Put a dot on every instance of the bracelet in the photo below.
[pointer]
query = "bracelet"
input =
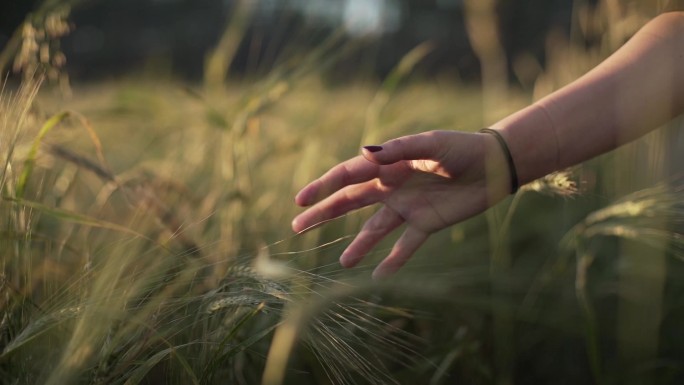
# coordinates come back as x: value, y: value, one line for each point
x: 515, y: 184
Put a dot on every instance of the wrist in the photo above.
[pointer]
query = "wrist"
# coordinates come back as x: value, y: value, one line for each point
x: 531, y: 140
x: 510, y: 163
x: 497, y: 173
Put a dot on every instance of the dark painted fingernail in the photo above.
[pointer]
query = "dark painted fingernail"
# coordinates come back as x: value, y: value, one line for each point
x: 373, y: 148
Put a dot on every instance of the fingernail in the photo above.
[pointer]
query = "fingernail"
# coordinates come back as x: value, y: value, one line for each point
x: 373, y: 148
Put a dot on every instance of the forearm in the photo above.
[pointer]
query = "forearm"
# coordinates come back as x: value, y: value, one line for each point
x: 635, y: 90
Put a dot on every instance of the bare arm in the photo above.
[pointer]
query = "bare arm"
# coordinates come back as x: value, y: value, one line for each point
x: 638, y: 88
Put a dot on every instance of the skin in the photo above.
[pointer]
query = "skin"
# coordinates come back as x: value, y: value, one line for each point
x: 435, y: 179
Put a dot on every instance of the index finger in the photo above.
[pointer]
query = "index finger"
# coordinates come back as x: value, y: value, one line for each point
x: 353, y: 171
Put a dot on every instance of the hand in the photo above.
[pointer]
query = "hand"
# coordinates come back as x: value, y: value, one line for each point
x: 427, y: 181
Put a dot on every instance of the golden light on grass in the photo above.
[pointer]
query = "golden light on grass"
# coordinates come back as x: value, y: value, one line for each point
x: 145, y: 231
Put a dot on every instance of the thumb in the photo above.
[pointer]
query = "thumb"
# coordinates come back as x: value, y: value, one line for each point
x: 424, y: 146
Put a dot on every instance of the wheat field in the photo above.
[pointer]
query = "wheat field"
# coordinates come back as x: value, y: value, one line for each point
x: 146, y: 236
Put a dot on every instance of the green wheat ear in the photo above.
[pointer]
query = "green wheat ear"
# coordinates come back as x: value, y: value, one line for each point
x: 651, y: 216
x: 39, y: 327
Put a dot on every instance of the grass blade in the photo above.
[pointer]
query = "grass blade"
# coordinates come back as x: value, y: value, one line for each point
x: 77, y: 218
x: 33, y: 152
x: 140, y: 373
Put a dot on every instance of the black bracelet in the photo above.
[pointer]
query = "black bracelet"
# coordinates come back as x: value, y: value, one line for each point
x: 509, y: 158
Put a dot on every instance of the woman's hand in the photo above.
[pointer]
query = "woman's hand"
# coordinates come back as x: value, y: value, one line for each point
x: 427, y: 181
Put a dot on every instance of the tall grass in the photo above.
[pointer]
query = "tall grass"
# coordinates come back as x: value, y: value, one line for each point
x: 104, y: 283
x: 145, y: 237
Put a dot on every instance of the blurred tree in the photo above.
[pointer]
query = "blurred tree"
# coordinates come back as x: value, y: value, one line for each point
x: 11, y: 16
x: 116, y: 36
x: 526, y: 23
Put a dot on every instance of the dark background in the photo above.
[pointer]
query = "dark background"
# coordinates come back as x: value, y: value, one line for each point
x: 115, y: 37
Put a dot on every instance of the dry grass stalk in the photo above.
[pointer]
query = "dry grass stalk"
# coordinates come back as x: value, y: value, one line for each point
x: 559, y: 183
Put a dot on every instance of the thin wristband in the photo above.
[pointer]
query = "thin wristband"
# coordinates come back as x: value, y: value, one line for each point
x: 515, y: 184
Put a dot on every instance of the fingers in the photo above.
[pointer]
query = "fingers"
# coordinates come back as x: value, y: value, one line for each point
x: 427, y: 145
x: 424, y: 146
x: 375, y: 229
x: 341, y: 202
x: 355, y: 170
x: 403, y: 249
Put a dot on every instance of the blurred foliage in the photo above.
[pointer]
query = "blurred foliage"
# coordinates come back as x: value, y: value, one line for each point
x: 117, y: 36
x: 145, y: 222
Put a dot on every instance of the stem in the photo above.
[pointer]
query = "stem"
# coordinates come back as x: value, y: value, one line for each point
x: 503, y: 316
x: 584, y: 261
